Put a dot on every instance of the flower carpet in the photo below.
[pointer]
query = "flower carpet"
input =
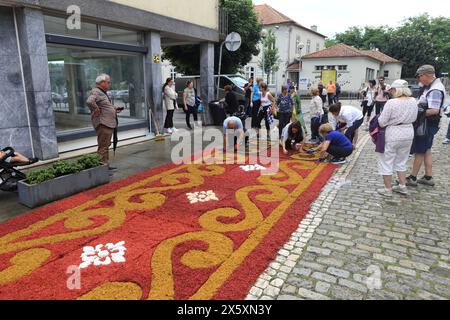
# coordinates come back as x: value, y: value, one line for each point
x: 176, y: 232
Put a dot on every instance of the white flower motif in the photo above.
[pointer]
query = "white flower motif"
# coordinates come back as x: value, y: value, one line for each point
x: 203, y: 196
x: 103, y: 255
x: 255, y: 167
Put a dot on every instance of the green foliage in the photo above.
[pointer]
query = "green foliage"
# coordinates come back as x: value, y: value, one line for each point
x: 37, y: 177
x: 90, y: 161
x: 330, y: 42
x: 241, y: 19
x: 271, y: 56
x: 63, y: 168
x: 419, y: 40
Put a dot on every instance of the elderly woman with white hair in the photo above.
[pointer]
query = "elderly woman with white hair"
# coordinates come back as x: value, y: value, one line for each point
x: 397, y: 117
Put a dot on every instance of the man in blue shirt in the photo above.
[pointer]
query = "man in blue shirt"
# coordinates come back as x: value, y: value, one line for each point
x: 336, y: 144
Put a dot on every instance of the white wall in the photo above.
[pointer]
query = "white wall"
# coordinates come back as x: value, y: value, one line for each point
x: 349, y: 80
x: 395, y: 71
x: 200, y: 12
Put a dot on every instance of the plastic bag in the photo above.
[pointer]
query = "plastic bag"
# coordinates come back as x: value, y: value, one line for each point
x: 200, y: 108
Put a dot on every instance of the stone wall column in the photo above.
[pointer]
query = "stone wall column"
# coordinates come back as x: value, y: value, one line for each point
x: 154, y: 80
x: 207, y: 78
x: 33, y: 50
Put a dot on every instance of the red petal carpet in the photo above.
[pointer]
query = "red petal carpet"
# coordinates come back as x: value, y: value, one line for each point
x: 176, y: 232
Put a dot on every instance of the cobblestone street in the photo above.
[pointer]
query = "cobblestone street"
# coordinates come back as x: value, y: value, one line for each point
x: 356, y: 245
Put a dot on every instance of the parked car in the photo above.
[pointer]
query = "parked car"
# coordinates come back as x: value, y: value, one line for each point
x: 123, y: 95
x: 57, y: 98
x: 236, y: 81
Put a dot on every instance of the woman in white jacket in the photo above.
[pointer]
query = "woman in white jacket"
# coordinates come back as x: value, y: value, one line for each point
x: 316, y: 110
x: 170, y: 101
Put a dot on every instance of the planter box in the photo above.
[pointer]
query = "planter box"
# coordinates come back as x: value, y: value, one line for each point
x: 36, y: 195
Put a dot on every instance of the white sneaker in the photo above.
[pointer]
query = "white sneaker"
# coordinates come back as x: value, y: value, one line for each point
x: 401, y: 190
x: 169, y: 131
x: 385, y: 192
x: 446, y: 141
x: 174, y: 130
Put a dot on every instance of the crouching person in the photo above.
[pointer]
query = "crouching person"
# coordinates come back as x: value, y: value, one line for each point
x: 234, y: 132
x: 336, y: 146
x: 292, y: 137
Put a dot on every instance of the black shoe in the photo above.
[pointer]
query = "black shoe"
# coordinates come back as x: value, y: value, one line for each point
x: 112, y: 168
x: 33, y: 161
x: 338, y: 161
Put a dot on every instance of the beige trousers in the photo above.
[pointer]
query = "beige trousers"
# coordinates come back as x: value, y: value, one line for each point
x: 104, y: 136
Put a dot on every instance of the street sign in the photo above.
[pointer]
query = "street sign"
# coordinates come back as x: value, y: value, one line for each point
x: 157, y: 58
x: 233, y: 42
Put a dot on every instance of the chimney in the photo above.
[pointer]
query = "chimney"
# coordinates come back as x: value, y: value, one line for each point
x: 314, y: 28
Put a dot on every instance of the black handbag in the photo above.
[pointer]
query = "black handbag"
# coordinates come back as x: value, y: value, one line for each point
x: 421, y: 125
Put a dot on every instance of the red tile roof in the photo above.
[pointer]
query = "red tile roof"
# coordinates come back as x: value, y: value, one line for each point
x: 269, y: 16
x: 343, y: 50
x: 380, y: 56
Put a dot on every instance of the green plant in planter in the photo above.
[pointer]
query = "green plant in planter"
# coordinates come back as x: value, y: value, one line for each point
x: 90, y: 161
x: 64, y: 168
x: 37, y: 177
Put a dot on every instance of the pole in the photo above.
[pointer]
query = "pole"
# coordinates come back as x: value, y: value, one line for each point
x: 220, y: 69
x: 263, y: 65
x: 299, y: 70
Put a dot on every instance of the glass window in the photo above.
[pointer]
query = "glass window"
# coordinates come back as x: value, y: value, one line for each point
x: 308, y: 46
x: 58, y: 25
x: 318, y: 47
x: 249, y: 72
x: 343, y: 68
x: 386, y: 73
x: 121, y: 35
x: 73, y: 71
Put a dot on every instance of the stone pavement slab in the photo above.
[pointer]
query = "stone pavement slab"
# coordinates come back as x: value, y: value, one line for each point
x: 356, y: 245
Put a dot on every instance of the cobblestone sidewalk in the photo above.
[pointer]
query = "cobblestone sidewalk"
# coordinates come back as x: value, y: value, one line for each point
x: 356, y: 245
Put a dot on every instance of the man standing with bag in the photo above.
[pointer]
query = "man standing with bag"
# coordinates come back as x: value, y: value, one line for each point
x: 431, y: 102
x: 104, y: 116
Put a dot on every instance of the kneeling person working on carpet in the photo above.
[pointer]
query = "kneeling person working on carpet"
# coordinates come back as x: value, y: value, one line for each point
x: 233, y: 127
x: 347, y: 119
x: 336, y: 145
x: 292, y: 137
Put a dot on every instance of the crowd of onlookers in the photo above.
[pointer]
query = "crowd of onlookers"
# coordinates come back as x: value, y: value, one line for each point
x: 402, y: 126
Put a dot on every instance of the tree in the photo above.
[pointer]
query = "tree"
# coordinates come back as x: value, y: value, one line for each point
x: 418, y: 40
x: 413, y: 49
x: 271, y: 56
x: 437, y: 31
x: 330, y: 42
x: 241, y: 19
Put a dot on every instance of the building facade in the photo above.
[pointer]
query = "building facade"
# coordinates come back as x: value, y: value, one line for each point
x: 52, y: 51
x: 288, y: 35
x: 353, y: 67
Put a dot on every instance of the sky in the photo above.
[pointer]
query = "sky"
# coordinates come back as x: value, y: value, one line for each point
x: 334, y: 16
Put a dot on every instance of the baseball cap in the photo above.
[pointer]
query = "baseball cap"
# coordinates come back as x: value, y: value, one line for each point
x: 399, y: 84
x: 426, y: 69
